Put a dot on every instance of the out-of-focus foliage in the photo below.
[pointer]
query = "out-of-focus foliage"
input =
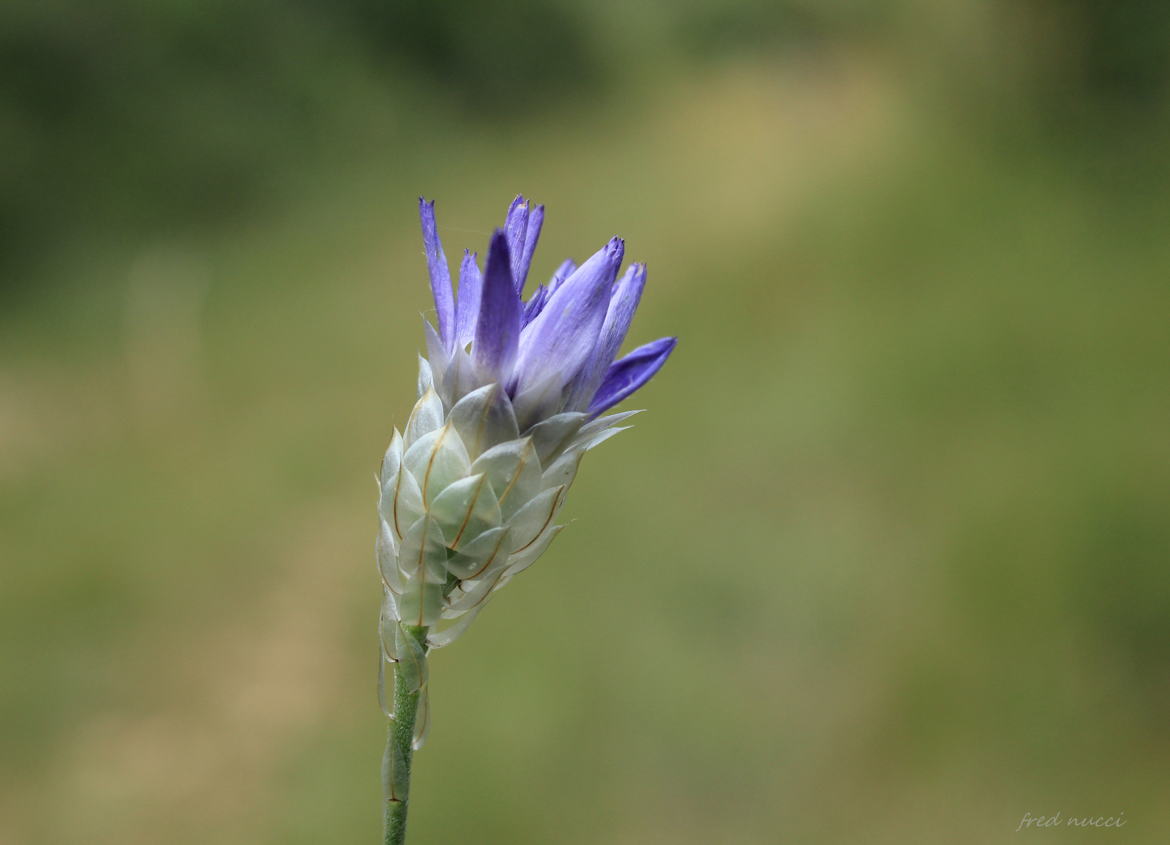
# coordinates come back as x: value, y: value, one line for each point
x: 169, y: 114
x: 1115, y: 53
x: 496, y: 59
x: 737, y: 26
x: 166, y: 115
x: 885, y: 561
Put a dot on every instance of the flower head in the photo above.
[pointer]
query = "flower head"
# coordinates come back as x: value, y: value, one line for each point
x: 553, y: 353
x: 511, y: 396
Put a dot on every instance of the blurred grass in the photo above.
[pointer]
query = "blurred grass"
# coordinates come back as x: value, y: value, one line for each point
x: 885, y: 561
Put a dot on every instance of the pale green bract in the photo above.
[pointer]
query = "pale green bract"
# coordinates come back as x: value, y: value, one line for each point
x: 466, y: 502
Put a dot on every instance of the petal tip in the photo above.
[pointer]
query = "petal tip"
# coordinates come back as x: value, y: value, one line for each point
x: 616, y: 249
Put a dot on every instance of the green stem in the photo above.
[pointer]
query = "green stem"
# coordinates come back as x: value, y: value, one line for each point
x: 400, y: 745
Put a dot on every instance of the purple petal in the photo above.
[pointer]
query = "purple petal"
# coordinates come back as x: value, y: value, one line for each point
x: 623, y: 302
x: 497, y: 331
x: 541, y: 295
x: 562, y: 337
x: 523, y: 260
x: 516, y: 230
x: 567, y: 268
x: 467, y: 305
x: 628, y: 374
x: 535, y: 304
x: 439, y: 272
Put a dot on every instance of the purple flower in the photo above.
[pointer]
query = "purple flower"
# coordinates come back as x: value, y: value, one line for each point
x: 555, y: 352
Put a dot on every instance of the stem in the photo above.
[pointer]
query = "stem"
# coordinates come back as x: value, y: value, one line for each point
x: 400, y: 745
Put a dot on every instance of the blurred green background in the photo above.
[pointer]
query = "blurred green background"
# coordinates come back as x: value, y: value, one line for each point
x: 885, y: 561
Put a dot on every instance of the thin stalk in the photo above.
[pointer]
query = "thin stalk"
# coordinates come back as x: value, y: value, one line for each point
x: 400, y: 747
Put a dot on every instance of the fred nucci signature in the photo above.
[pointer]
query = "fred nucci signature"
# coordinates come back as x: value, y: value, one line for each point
x: 1059, y: 820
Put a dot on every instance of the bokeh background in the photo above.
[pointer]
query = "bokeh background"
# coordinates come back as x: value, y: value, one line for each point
x: 885, y: 561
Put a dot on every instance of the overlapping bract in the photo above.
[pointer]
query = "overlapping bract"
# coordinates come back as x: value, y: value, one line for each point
x: 510, y: 399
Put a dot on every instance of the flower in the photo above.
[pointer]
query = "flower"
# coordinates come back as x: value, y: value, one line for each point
x: 511, y: 395
x: 553, y: 353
